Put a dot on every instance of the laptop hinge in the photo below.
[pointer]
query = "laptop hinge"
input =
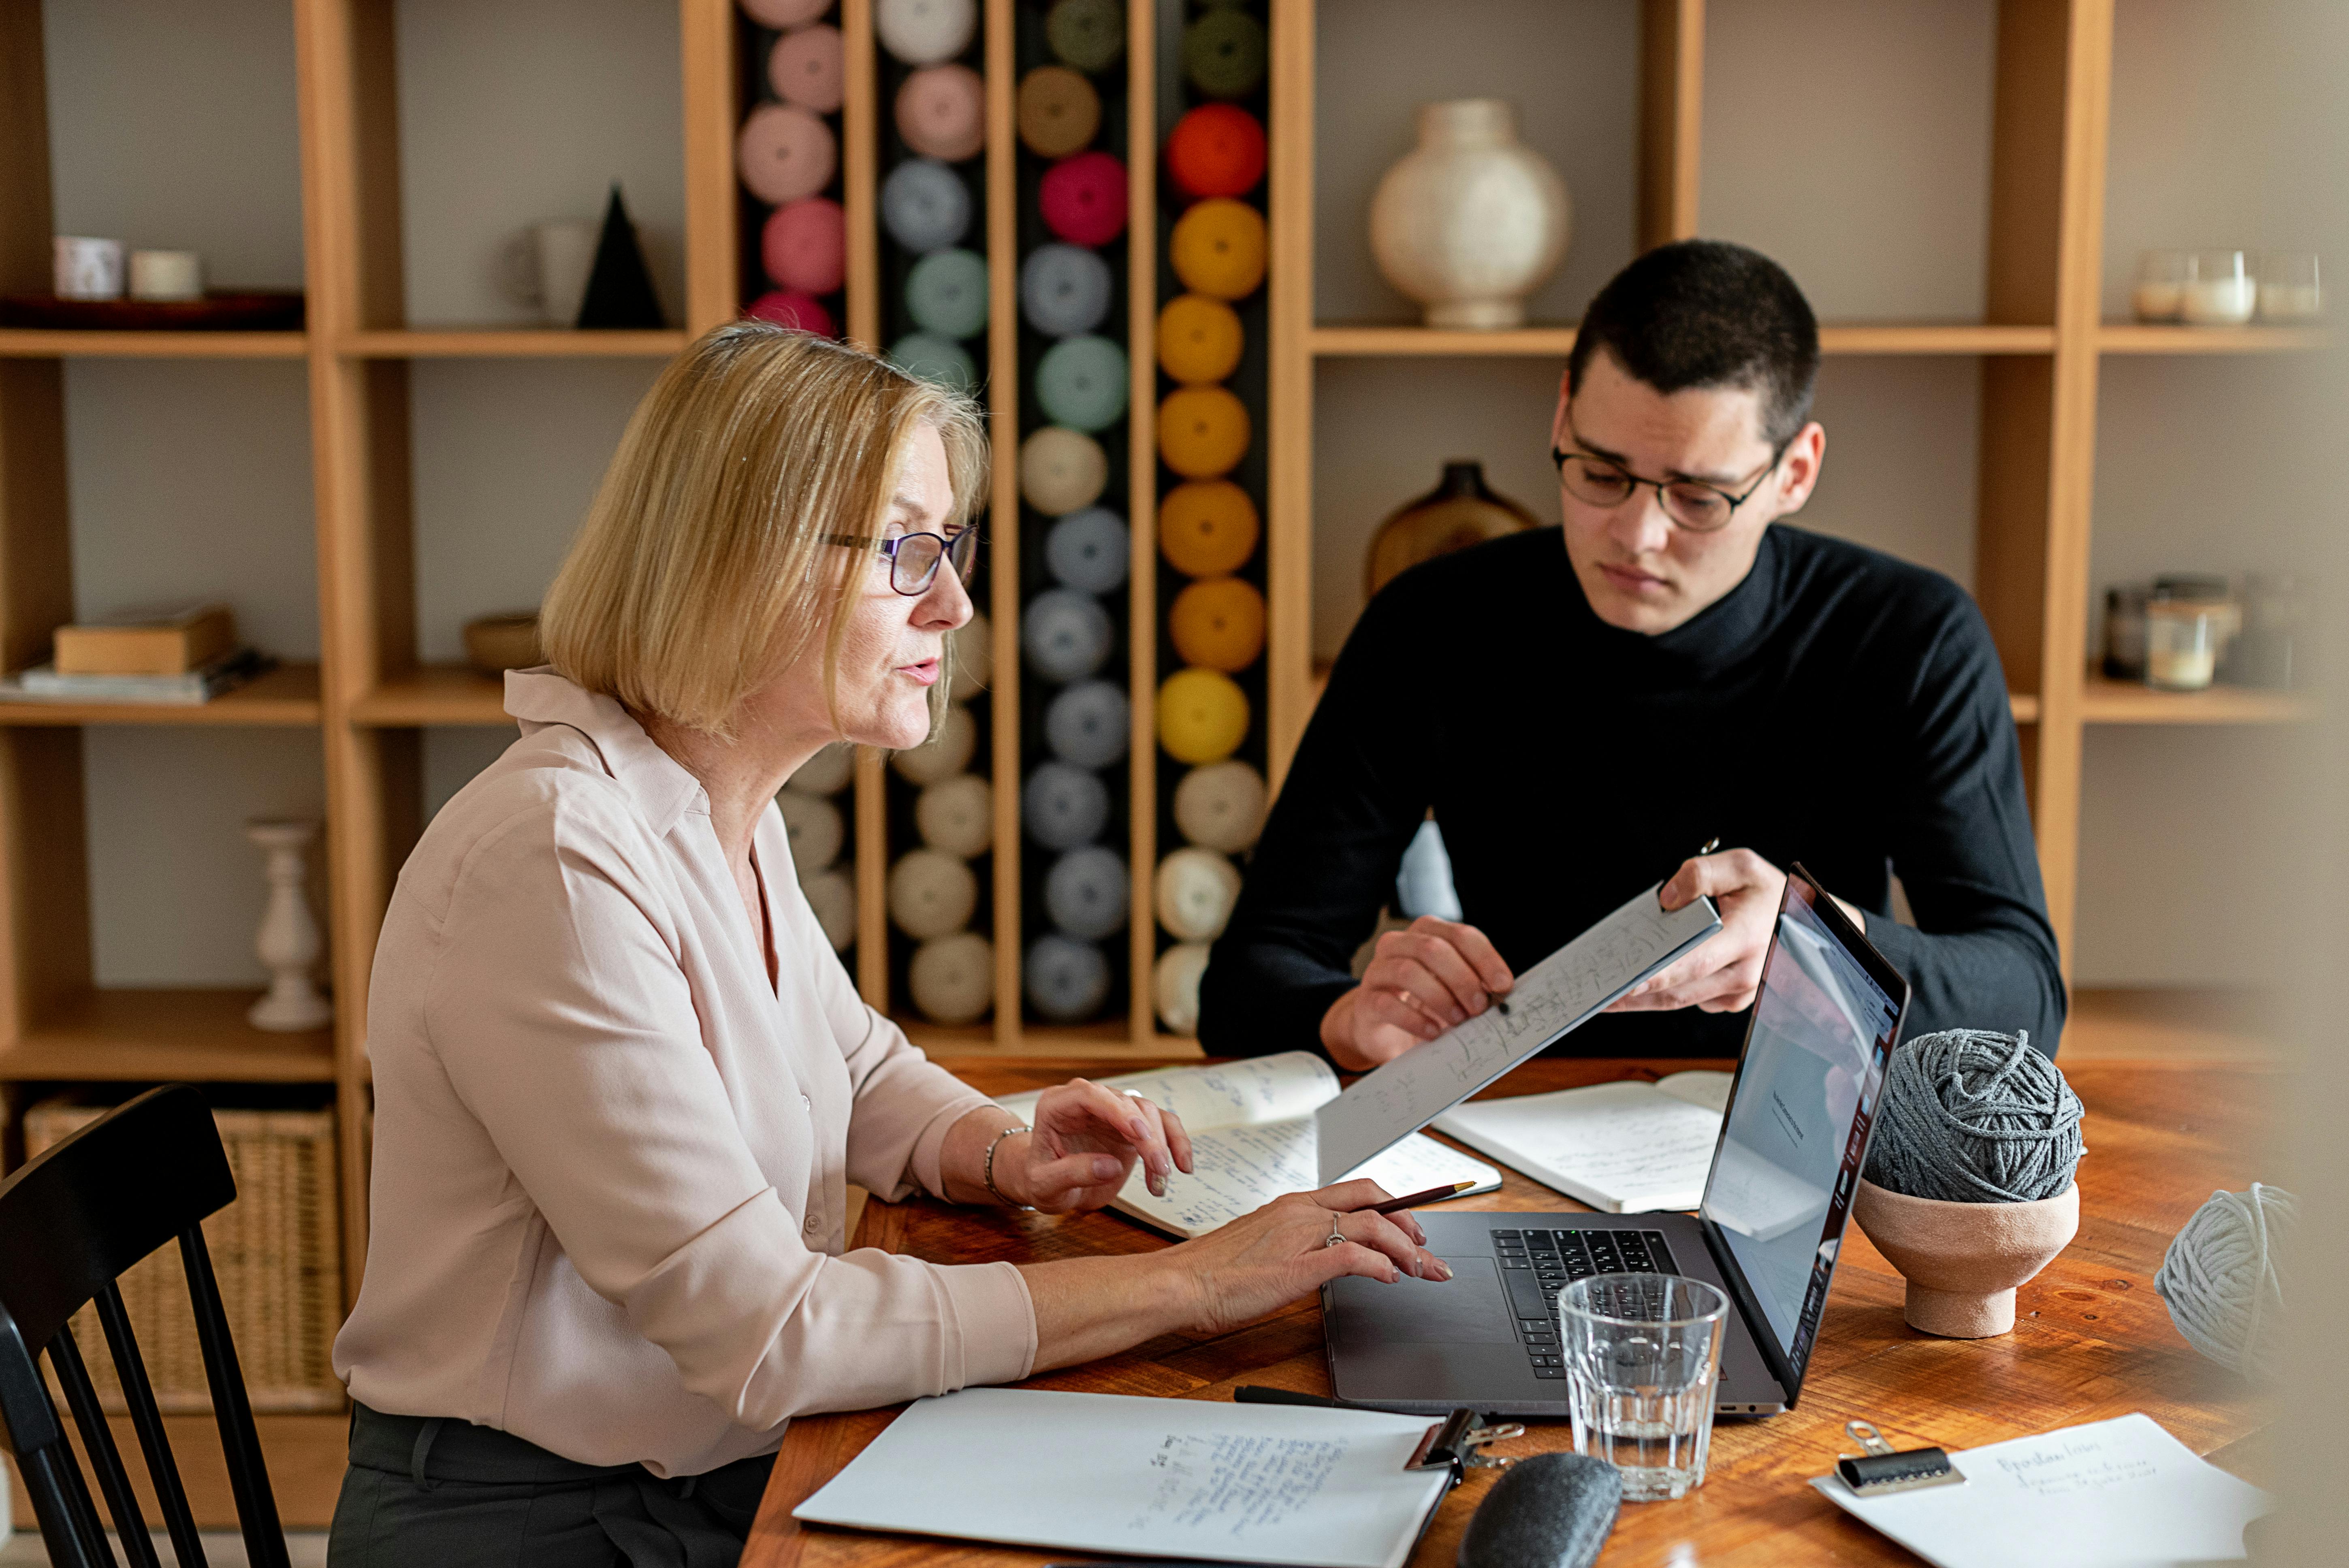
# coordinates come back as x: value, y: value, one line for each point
x: 1757, y: 1322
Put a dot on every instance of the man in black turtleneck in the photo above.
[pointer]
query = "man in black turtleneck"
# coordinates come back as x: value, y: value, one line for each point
x: 1580, y: 713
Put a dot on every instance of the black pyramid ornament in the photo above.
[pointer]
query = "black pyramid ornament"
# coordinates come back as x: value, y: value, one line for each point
x: 619, y: 291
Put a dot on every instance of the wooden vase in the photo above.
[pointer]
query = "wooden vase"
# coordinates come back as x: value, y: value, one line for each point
x: 1963, y: 1261
x: 1471, y: 221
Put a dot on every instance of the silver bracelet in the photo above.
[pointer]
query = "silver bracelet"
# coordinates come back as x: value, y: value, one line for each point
x: 986, y: 1167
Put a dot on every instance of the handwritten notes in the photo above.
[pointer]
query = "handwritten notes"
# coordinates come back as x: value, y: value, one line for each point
x: 1623, y: 1148
x: 1558, y: 995
x: 2103, y: 1495
x: 1252, y: 1139
x: 1109, y: 1473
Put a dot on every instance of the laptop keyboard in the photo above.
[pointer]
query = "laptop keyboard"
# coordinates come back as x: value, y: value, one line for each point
x: 1537, y: 1265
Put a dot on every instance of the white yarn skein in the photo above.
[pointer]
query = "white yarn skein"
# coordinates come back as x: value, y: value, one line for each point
x: 2219, y: 1278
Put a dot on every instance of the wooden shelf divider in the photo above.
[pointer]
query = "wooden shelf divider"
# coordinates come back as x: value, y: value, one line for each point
x: 162, y: 1035
x: 2105, y: 701
x: 37, y: 343
x: 288, y: 695
x: 2145, y: 337
x: 510, y: 342
x: 1398, y: 340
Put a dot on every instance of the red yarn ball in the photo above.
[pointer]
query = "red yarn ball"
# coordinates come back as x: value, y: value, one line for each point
x: 1217, y: 149
x: 1083, y: 199
x: 805, y: 245
x: 788, y: 307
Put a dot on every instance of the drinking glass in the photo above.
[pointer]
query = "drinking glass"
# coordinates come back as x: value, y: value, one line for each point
x: 2289, y: 290
x: 2220, y: 289
x: 2161, y: 287
x: 1642, y: 1362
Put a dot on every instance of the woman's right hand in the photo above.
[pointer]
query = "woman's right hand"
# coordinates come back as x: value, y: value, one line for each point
x: 1262, y: 1261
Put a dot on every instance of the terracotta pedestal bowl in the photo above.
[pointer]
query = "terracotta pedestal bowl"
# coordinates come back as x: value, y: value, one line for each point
x: 1963, y: 1261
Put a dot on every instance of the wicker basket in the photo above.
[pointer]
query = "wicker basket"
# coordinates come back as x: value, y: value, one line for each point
x: 276, y: 1252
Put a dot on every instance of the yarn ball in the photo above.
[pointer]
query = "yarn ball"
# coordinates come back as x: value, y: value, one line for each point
x: 1217, y: 149
x: 1082, y: 382
x: 2223, y: 1278
x: 1067, y: 635
x: 930, y: 357
x: 1217, y: 624
x: 925, y: 32
x: 809, y: 68
x: 1064, y: 289
x: 784, y: 152
x: 1092, y: 549
x: 1061, y: 470
x: 1199, y: 339
x: 1224, y: 52
x: 787, y: 307
x: 1207, y: 528
x: 1086, y: 895
x: 1203, y: 431
x: 956, y: 815
x: 942, y: 112
x: 931, y: 893
x: 1175, y: 981
x: 783, y: 14
x: 1972, y: 1116
x: 1218, y: 249
x: 1086, y: 34
x: 1203, y: 716
x: 804, y: 246
x: 1059, y: 111
x: 944, y: 754
x: 952, y: 978
x: 1090, y: 724
x: 1067, y: 980
x: 925, y: 206
x: 1082, y: 198
x: 945, y: 293
x: 1064, y: 806
x: 1221, y: 805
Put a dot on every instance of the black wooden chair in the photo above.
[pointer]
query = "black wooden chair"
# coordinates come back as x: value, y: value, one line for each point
x: 71, y: 1223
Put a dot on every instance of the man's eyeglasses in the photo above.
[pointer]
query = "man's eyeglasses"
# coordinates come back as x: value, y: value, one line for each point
x: 914, y: 558
x: 1694, y: 505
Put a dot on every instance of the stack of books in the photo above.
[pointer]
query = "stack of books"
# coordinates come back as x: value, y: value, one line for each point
x: 177, y: 654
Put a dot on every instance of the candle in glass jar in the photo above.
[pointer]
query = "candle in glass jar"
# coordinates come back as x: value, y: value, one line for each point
x: 2182, y: 645
x: 2219, y: 290
x: 2161, y: 285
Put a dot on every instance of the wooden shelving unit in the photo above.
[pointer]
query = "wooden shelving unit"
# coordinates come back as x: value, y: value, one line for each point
x: 288, y: 695
x: 1331, y: 340
x: 26, y: 343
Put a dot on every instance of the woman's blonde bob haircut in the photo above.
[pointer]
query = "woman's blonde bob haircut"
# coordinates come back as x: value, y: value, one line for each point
x: 701, y: 571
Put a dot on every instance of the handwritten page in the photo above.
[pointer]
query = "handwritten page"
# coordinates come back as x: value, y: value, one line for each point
x: 1228, y: 1094
x: 1621, y: 1148
x: 1164, y: 1478
x: 1558, y: 995
x: 2104, y: 1495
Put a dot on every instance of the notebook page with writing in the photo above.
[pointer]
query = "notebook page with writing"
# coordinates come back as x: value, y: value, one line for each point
x: 1622, y: 1148
x: 1558, y: 995
x: 1161, y: 1477
x: 1228, y: 1094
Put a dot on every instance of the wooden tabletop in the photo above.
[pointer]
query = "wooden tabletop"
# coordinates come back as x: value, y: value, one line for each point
x: 2091, y: 1340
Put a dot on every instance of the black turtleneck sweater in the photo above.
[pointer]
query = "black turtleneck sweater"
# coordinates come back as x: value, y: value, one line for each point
x: 1838, y: 707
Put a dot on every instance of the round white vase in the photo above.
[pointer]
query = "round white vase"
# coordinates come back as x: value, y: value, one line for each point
x: 1471, y: 221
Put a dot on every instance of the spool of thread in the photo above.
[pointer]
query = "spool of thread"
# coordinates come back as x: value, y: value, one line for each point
x: 931, y: 895
x: 945, y: 293
x: 1197, y: 888
x: 809, y: 66
x: 1061, y: 470
x: 804, y: 246
x: 790, y: 307
x: 1067, y: 635
x: 1972, y: 1116
x: 2223, y: 1278
x: 1088, y: 725
x: 1067, y: 980
x: 814, y: 827
x: 1174, y: 985
x: 1064, y: 806
x: 1221, y: 806
x: 784, y: 152
x: 1081, y: 382
x: 973, y: 664
x: 1207, y: 528
x: 832, y: 896
x: 1217, y: 249
x: 956, y: 816
x: 944, y: 754
x: 934, y: 358
x: 1064, y: 289
x: 1082, y: 198
x: 828, y: 772
x: 942, y: 112
x: 1058, y: 112
x: 925, y: 206
x: 1217, y: 149
x: 1090, y: 551
x: 925, y: 32
x: 952, y: 978
x: 1086, y: 892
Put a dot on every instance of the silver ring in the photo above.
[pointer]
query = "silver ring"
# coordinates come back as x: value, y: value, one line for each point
x: 1336, y: 1239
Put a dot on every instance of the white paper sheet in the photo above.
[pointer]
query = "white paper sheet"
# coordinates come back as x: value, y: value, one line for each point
x: 1161, y: 1477
x: 1555, y: 995
x: 2121, y: 1493
x: 1624, y: 1148
x: 1228, y: 1094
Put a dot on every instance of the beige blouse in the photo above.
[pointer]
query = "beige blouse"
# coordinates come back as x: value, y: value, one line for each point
x: 610, y: 1158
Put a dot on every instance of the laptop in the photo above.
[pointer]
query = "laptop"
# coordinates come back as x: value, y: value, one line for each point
x: 1793, y: 1140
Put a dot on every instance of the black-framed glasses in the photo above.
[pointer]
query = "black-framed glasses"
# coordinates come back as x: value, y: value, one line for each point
x: 1694, y: 505
x: 914, y: 558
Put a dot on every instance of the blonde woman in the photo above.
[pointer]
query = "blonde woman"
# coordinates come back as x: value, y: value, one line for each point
x: 621, y: 1079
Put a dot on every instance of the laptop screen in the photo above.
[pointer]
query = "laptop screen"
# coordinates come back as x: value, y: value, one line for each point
x: 1790, y: 1148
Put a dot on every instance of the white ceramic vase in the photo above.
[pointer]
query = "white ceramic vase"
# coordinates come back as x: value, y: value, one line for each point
x: 289, y: 940
x: 1470, y: 222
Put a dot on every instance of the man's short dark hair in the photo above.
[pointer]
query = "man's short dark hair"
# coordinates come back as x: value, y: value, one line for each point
x: 1705, y: 313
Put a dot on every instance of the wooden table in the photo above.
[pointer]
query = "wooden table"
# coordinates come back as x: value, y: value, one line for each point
x: 2091, y: 1340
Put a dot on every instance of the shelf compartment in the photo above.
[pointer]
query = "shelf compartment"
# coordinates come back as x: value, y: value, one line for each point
x: 165, y: 1036
x: 37, y: 342
x: 288, y: 695
x: 2103, y: 701
x: 1337, y: 339
x: 512, y: 343
x: 433, y: 695
x: 2141, y: 337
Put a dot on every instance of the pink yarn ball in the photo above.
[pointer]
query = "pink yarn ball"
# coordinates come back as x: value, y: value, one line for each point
x: 783, y: 14
x: 1083, y: 199
x: 805, y: 245
x: 788, y: 307
x: 784, y: 152
x: 810, y: 68
x: 942, y: 112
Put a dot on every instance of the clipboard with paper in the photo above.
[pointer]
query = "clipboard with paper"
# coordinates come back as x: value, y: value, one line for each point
x: 1550, y: 1000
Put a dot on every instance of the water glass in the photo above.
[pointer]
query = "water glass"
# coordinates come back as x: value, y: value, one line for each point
x: 1642, y: 1365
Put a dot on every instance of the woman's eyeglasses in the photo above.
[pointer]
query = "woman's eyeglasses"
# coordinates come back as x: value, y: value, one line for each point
x: 1698, y: 507
x: 914, y: 558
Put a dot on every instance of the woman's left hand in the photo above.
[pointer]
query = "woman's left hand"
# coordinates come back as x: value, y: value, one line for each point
x: 1087, y: 1141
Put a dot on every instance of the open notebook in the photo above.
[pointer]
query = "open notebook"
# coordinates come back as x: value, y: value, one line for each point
x: 1251, y: 1126
x: 1622, y: 1148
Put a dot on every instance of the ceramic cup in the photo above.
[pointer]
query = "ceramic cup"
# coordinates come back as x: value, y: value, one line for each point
x: 1963, y: 1261
x: 85, y: 268
x: 166, y: 274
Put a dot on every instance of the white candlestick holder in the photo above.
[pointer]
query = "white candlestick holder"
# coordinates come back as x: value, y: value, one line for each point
x: 289, y: 940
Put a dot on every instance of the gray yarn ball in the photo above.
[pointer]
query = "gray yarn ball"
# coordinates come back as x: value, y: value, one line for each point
x: 1086, y: 892
x: 1067, y: 635
x: 1064, y: 806
x: 1090, y: 549
x: 925, y: 205
x: 2223, y: 1278
x: 1067, y: 980
x: 1972, y: 1116
x: 1089, y: 724
x: 1064, y: 289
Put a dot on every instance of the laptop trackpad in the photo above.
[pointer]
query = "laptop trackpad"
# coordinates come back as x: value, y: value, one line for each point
x: 1469, y: 1308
